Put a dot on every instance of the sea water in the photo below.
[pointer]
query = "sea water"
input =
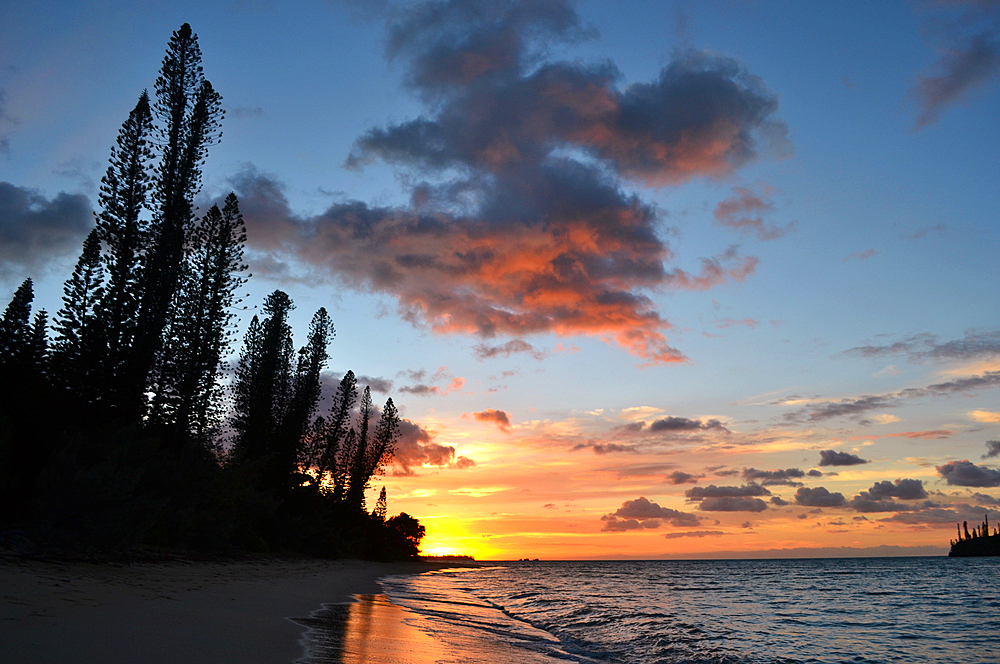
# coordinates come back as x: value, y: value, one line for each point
x: 875, y: 610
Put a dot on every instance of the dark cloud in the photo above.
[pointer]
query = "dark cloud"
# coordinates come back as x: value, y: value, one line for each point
x: 880, y: 497
x: 742, y: 212
x: 969, y: 63
x: 976, y: 344
x: 966, y: 473
x: 683, y: 424
x: 416, y: 447
x: 485, y: 351
x: 779, y: 501
x: 834, y: 458
x: 680, y: 477
x: 614, y: 525
x: 712, y: 491
x: 983, y: 499
x: 728, y: 498
x: 788, y: 477
x: 498, y: 417
x: 381, y: 385
x: 695, y: 533
x: 521, y: 220
x: 463, y: 462
x: 818, y: 497
x: 732, y: 504
x: 851, y: 407
x: 423, y: 390
x: 902, y: 489
x: 33, y: 229
x: 815, y: 473
x: 642, y: 509
x: 992, y: 449
x: 861, y: 405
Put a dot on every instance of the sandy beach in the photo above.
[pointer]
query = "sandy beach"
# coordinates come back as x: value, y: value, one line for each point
x: 170, y: 612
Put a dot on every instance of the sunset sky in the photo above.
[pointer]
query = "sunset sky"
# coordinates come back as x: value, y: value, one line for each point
x: 645, y: 278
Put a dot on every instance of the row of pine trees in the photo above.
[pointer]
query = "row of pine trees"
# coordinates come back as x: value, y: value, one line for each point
x: 122, y: 421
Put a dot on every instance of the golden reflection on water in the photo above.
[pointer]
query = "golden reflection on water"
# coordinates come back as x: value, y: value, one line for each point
x: 379, y: 631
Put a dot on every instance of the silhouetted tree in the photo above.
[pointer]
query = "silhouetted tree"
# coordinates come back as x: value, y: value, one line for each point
x: 381, y: 506
x: 125, y: 236
x: 78, y: 348
x: 306, y: 387
x: 409, y: 532
x: 199, y: 334
x: 15, y: 334
x: 189, y: 111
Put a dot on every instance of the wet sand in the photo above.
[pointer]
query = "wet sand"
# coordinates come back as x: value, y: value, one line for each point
x: 194, y: 612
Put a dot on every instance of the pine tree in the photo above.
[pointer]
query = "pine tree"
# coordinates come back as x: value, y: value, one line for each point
x: 187, y: 392
x: 381, y: 506
x: 327, y: 443
x: 359, y: 480
x: 124, y: 235
x: 15, y: 332
x: 306, y: 384
x: 78, y: 355
x: 189, y: 111
x: 263, y: 392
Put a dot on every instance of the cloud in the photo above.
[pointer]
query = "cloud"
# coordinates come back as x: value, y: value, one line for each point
x: 850, y: 407
x: 966, y: 473
x: 902, y: 489
x: 416, y: 447
x: 642, y: 509
x: 683, y: 424
x: 976, y: 344
x: 497, y: 417
x: 834, y: 458
x: 423, y: 390
x: 985, y: 416
x: 992, y: 449
x: 380, y: 385
x: 712, y: 491
x: 861, y: 255
x: 695, y: 533
x: 729, y: 498
x: 969, y: 62
x: 854, y: 407
x: 485, y: 351
x: 732, y: 504
x: 603, y: 448
x: 613, y: 525
x: 33, y: 229
x: 772, y: 477
x: 680, y: 477
x: 818, y: 497
x: 522, y: 219
x: 738, y: 213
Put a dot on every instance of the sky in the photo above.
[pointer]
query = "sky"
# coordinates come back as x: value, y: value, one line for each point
x: 646, y: 279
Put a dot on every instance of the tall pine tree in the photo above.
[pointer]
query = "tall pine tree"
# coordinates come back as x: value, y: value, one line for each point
x: 78, y: 349
x: 189, y: 111
x: 125, y: 236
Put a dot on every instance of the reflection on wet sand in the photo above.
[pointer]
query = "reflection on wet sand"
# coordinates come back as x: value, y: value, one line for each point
x: 374, y: 630
x: 370, y: 630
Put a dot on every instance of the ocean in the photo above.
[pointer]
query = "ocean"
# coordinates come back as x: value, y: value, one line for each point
x: 857, y: 610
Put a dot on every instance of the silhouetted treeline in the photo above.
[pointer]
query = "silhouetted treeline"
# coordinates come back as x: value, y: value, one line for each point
x: 978, y: 542
x: 121, y: 423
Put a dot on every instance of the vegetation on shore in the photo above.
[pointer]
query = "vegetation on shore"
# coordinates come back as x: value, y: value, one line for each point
x: 978, y: 542
x: 128, y: 428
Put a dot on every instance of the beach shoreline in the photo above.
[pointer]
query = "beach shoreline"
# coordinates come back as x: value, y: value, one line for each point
x: 177, y: 611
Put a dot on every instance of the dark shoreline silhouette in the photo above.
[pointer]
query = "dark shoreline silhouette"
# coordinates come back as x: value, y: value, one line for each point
x: 977, y: 543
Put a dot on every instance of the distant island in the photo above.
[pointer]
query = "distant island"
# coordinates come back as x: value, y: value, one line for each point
x: 979, y: 542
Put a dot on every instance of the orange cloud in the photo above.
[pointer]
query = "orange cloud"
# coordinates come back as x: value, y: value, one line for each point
x: 497, y: 417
